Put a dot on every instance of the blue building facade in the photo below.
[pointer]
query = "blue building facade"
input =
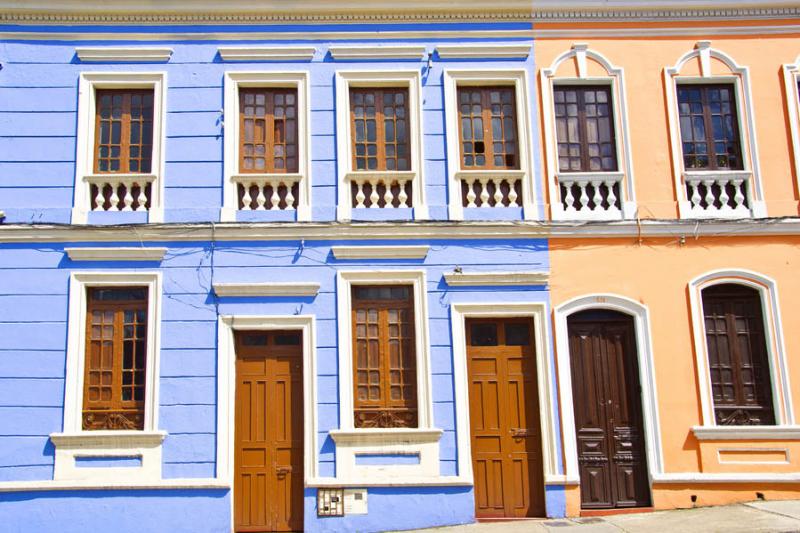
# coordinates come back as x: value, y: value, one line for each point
x: 221, y: 251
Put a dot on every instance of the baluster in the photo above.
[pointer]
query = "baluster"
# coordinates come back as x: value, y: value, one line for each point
x: 114, y: 197
x: 99, y: 200
x: 127, y: 200
x: 695, y: 198
x: 261, y: 198
x: 723, y: 194
x: 611, y: 198
x: 512, y: 193
x: 402, y: 196
x: 584, y: 198
x: 569, y: 198
x: 498, y: 193
x: 275, y: 199
x: 484, y: 192
x: 597, y: 198
x: 374, y: 196
x: 388, y: 197
x: 141, y: 198
x: 246, y: 198
x: 709, y: 194
x: 471, y: 193
x: 360, y: 194
x: 738, y: 193
x: 289, y: 196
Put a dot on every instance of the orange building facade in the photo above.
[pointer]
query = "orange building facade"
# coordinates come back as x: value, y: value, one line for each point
x: 669, y: 162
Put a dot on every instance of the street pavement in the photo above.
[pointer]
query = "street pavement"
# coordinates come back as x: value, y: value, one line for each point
x: 762, y: 516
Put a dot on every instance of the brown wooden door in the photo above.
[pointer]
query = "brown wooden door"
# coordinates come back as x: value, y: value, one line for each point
x: 268, y: 475
x: 504, y: 418
x: 608, y: 410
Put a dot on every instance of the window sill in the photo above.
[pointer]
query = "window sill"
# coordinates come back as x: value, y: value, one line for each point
x: 704, y: 433
x: 389, y: 436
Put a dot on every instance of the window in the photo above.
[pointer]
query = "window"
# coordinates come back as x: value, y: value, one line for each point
x: 380, y: 128
x: 737, y: 355
x: 709, y: 127
x: 116, y: 354
x: 488, y: 131
x: 384, y: 366
x: 585, y: 129
x: 124, y: 131
x: 268, y: 130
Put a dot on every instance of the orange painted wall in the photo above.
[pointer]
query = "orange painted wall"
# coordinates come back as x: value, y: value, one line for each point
x: 644, y: 60
x: 656, y: 273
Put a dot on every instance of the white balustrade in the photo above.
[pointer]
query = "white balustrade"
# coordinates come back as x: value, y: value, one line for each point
x: 267, y: 192
x: 718, y: 194
x: 489, y: 190
x: 374, y: 191
x: 120, y: 192
x: 591, y: 196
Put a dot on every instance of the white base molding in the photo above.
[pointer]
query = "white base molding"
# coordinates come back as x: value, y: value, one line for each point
x: 703, y: 433
x: 700, y: 477
x: 483, y: 279
x: 380, y: 252
x: 403, y: 51
x: 266, y: 53
x: 85, y: 484
x: 116, y: 254
x: 266, y: 289
x: 123, y: 54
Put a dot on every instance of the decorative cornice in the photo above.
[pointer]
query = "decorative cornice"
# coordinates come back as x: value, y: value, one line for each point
x: 404, y: 51
x: 272, y: 289
x: 123, y: 54
x: 116, y: 254
x: 726, y: 433
x: 499, y: 51
x: 380, y: 252
x: 487, y: 279
x: 266, y: 53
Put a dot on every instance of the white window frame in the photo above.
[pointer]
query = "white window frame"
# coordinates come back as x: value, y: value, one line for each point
x: 88, y: 84
x: 75, y: 441
x: 537, y: 313
x: 227, y: 325
x: 647, y: 379
x: 776, y: 354
x: 284, y: 80
x: 791, y: 77
x: 410, y: 79
x: 514, y: 77
x: 351, y: 441
x: 615, y: 79
x: 739, y: 76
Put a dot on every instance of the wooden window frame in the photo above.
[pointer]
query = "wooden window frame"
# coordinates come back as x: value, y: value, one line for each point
x: 380, y: 142
x: 269, y: 142
x: 88, y: 84
x: 410, y: 79
x: 234, y: 82
x: 791, y: 79
x: 488, y: 134
x: 125, y: 131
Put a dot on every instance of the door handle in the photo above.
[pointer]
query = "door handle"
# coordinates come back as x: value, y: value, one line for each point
x: 283, y: 470
x: 519, y: 433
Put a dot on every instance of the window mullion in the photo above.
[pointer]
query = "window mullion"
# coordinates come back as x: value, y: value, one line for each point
x: 269, y: 131
x: 582, y: 134
x: 380, y: 131
x: 708, y: 121
x: 488, y: 141
x: 125, y: 135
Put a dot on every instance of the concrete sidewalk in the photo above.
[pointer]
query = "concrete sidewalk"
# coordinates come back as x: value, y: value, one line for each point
x: 772, y: 516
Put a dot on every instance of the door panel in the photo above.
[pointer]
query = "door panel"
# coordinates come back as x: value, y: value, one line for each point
x: 504, y: 419
x: 268, y: 463
x: 608, y: 410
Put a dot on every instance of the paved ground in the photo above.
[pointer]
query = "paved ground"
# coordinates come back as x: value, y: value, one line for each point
x: 773, y: 517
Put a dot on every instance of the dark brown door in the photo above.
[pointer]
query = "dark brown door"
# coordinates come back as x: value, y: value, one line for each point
x: 608, y: 410
x: 504, y: 418
x: 268, y: 476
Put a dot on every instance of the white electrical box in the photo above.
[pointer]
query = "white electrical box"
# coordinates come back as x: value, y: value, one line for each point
x: 355, y: 501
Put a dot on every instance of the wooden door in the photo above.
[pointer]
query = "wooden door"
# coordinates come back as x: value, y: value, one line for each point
x: 268, y: 475
x: 504, y: 418
x: 608, y: 410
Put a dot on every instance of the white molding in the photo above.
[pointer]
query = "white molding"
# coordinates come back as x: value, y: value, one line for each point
x: 703, y: 433
x: 266, y: 289
x: 378, y: 51
x: 785, y: 451
x: 391, y: 481
x: 120, y: 483
x: 74, y: 438
x: 703, y: 31
x: 479, y: 50
x: 517, y: 78
x: 615, y: 78
x: 757, y: 478
x: 644, y: 350
x: 84, y: 162
x: 791, y: 78
x: 293, y: 79
x: 740, y: 78
x: 144, y: 445
x: 380, y: 252
x: 411, y: 79
x: 226, y: 386
x: 492, y: 279
x: 117, y: 253
x: 123, y: 54
x: 537, y: 311
x: 773, y: 333
x: 266, y: 53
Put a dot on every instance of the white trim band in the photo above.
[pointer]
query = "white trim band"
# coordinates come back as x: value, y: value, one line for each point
x: 480, y: 50
x: 489, y: 279
x: 123, y: 54
x: 703, y: 433
x: 380, y: 252
x: 116, y: 254
x: 403, y: 51
x: 266, y: 53
x: 266, y: 289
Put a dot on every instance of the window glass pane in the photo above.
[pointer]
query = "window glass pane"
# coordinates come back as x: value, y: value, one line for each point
x: 584, y: 129
x: 709, y: 128
x: 379, y: 128
x: 268, y: 130
x: 118, y: 111
x: 487, y: 116
x: 483, y: 334
x: 518, y: 334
